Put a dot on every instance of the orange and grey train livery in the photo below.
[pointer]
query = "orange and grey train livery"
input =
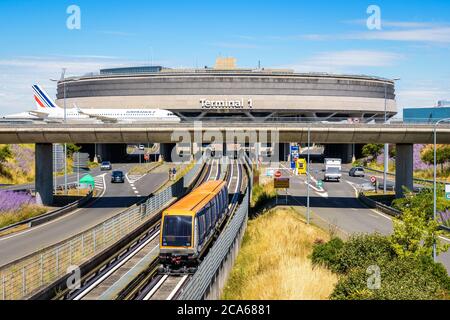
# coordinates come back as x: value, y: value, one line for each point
x: 189, y: 225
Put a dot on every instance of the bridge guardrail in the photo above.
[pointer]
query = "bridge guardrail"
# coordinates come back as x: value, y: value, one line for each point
x: 25, y: 276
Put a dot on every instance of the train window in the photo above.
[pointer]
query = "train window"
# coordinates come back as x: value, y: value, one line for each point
x: 208, y: 217
x: 212, y: 210
x: 177, y: 231
x: 201, y: 226
x: 224, y: 197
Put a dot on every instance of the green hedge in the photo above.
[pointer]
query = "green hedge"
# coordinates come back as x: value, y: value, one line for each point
x: 400, y: 278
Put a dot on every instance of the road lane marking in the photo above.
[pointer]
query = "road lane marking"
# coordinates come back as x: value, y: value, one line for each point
x: 373, y: 210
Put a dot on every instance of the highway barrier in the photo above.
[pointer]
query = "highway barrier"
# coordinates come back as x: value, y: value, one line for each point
x: 378, y: 205
x: 415, y: 179
x: 24, y: 277
x: 386, y: 209
x: 35, y: 221
x: 50, y: 215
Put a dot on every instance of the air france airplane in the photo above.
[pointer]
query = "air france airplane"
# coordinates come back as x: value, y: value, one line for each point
x: 47, y: 109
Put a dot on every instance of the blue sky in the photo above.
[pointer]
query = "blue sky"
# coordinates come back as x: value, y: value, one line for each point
x: 312, y: 36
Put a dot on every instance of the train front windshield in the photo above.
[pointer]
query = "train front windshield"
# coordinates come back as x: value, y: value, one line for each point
x: 177, y: 231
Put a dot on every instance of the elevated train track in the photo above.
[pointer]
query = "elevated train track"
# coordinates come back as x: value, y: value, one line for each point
x: 167, y: 286
x: 122, y: 276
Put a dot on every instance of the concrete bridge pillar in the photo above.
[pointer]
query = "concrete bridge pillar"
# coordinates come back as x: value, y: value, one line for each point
x: 403, y: 168
x: 44, y: 173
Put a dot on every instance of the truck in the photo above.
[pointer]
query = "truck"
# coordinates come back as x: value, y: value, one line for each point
x: 333, y: 168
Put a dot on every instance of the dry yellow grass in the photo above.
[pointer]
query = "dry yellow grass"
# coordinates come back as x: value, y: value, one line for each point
x: 274, y: 262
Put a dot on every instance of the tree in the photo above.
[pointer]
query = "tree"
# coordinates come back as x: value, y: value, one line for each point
x: 422, y: 201
x: 5, y: 153
x: 372, y: 150
x: 442, y: 154
x: 416, y: 231
x: 72, y: 148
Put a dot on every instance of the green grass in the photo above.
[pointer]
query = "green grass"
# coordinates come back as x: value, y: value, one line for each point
x: 274, y: 261
x: 261, y: 195
x: 143, y: 168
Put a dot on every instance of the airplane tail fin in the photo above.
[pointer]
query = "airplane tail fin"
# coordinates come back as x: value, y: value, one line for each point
x: 43, y: 100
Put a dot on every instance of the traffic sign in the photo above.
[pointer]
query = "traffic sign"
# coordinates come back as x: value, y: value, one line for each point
x: 278, y: 174
x: 373, y: 179
x: 447, y: 191
x: 293, y: 164
x: 319, y: 184
x: 281, y: 183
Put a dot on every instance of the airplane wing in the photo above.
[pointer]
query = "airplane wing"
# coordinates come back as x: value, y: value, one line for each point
x: 102, y: 118
x: 38, y: 114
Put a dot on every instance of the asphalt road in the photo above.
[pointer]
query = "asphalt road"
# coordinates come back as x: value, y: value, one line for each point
x: 339, y: 206
x: 116, y: 198
x: 71, y: 178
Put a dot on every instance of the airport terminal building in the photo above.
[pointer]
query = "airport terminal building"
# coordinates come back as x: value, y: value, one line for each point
x: 225, y: 90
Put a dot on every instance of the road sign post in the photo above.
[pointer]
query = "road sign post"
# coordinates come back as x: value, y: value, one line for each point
x: 374, y: 182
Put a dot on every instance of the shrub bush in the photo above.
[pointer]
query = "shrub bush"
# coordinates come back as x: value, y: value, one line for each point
x: 326, y: 254
x: 362, y: 251
x: 401, y: 279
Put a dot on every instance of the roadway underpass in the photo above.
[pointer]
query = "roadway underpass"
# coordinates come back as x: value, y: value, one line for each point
x: 116, y: 198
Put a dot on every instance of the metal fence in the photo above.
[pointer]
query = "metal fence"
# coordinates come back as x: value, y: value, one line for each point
x: 23, y: 277
x: 200, y: 282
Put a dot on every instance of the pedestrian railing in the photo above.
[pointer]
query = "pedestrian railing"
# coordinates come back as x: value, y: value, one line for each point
x: 22, y: 277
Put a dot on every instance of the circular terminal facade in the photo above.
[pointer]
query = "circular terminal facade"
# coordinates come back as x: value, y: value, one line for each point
x: 212, y: 92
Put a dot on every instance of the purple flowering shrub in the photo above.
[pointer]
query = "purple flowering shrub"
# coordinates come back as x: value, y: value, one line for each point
x: 24, y: 158
x: 14, y: 201
x: 18, y: 206
x: 19, y: 167
x: 417, y: 161
x: 444, y: 217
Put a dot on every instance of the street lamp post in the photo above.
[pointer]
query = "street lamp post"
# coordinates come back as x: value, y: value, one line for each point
x: 63, y: 73
x: 386, y: 145
x: 308, y: 213
x: 434, y: 178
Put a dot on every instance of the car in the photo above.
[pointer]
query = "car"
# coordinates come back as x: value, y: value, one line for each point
x: 106, y: 165
x: 356, y: 172
x: 141, y: 147
x: 117, y: 177
x: 332, y: 174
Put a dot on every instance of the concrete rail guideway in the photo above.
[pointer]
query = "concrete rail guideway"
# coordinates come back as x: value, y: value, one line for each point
x: 162, y: 133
